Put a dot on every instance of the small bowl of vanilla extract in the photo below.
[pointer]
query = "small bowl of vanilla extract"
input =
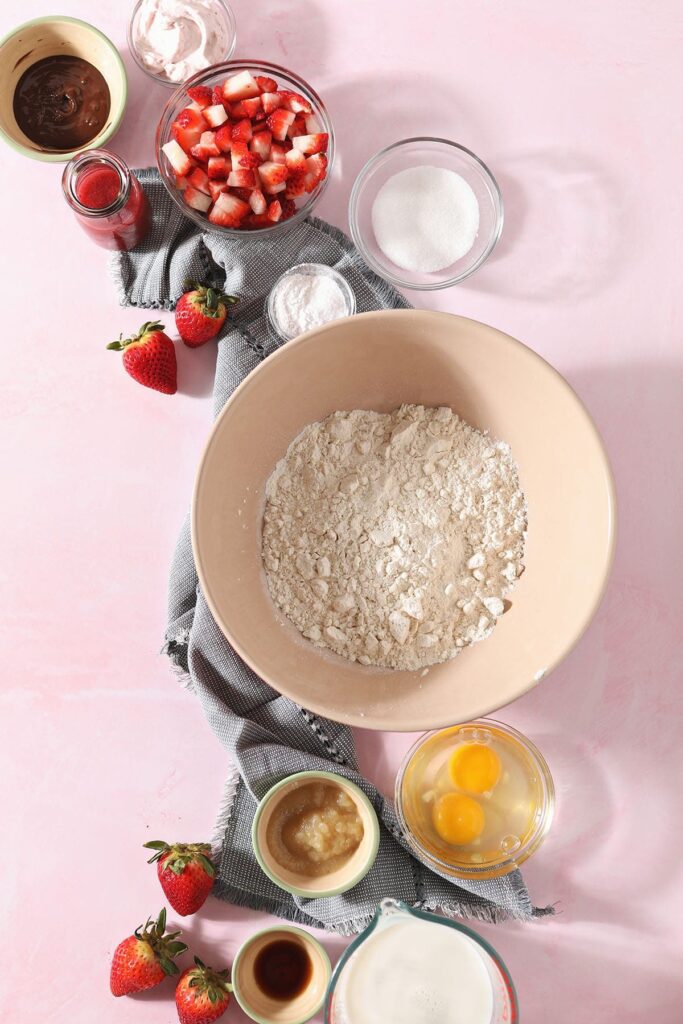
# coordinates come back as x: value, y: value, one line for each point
x: 280, y: 976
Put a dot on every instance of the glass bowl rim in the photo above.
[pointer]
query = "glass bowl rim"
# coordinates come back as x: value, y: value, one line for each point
x: 232, y: 24
x: 360, y: 182
x: 431, y: 918
x: 510, y: 863
x: 225, y: 67
x: 329, y: 271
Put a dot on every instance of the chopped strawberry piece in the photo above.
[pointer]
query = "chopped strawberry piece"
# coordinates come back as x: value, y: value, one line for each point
x: 208, y: 141
x: 242, y: 157
x: 265, y: 84
x: 296, y: 186
x: 294, y: 102
x: 181, y: 182
x: 256, y: 220
x: 215, y: 189
x: 274, y: 211
x: 313, y: 125
x: 272, y: 190
x: 297, y: 127
x: 312, y: 143
x: 242, y: 193
x: 202, y: 95
x: 217, y: 94
x: 215, y: 115
x: 247, y: 108
x: 288, y: 208
x: 278, y: 153
x: 199, y: 180
x: 194, y: 106
x: 224, y: 138
x: 271, y: 101
x: 228, y: 211
x: 242, y: 179
x: 218, y: 167
x: 295, y: 162
x: 196, y: 199
x: 240, y: 87
x: 187, y: 128
x: 279, y: 121
x: 202, y: 153
x: 177, y: 157
x: 241, y: 132
x: 257, y: 201
x: 272, y: 173
x: 316, y: 169
x: 260, y: 144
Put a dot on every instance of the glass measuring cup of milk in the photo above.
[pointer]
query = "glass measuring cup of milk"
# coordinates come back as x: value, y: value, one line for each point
x: 409, y: 965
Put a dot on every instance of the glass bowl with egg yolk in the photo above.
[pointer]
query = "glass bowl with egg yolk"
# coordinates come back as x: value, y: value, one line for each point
x: 474, y: 800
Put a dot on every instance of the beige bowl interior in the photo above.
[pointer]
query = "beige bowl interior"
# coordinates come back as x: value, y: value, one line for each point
x: 377, y: 361
x: 346, y: 876
x: 46, y: 37
x: 260, y: 1006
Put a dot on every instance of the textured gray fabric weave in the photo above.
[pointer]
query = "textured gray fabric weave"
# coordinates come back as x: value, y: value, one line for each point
x: 266, y: 735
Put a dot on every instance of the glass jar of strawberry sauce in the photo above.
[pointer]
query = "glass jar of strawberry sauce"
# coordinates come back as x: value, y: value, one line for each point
x: 107, y: 198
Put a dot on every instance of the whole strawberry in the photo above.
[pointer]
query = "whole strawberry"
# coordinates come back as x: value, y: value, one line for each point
x: 202, y: 994
x: 185, y: 872
x: 149, y: 357
x: 200, y: 314
x: 145, y: 958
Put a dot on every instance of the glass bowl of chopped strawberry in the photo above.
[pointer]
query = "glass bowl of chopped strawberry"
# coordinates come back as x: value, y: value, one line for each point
x: 245, y: 146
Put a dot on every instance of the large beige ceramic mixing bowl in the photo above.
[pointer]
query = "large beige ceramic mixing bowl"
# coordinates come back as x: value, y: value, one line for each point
x: 377, y: 361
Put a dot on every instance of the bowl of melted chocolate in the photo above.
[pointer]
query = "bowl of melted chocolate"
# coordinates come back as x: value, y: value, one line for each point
x: 62, y: 88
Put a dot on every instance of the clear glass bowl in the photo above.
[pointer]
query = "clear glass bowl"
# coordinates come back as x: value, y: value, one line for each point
x: 230, y: 30
x: 420, y: 152
x: 212, y: 76
x: 310, y: 270
x: 505, y: 1008
x: 504, y: 862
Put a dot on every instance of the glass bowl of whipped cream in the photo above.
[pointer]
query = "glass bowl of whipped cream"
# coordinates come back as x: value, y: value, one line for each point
x: 171, y: 40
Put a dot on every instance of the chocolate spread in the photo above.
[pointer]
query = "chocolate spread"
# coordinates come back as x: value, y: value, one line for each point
x: 61, y: 102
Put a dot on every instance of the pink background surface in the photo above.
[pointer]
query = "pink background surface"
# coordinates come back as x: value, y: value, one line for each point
x: 576, y: 108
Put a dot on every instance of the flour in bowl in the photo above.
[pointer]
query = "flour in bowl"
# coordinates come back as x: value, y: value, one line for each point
x: 392, y: 539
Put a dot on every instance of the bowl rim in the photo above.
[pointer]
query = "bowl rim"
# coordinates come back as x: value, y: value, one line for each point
x: 396, y: 279
x: 166, y: 82
x: 426, y: 723
x: 362, y: 798
x: 225, y: 67
x: 514, y: 860
x: 100, y: 140
x: 292, y: 929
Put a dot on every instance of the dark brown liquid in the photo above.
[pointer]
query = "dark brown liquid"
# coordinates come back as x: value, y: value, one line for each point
x: 283, y: 969
x: 61, y: 102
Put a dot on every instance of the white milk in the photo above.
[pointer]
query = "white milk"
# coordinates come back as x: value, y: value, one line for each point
x: 413, y: 972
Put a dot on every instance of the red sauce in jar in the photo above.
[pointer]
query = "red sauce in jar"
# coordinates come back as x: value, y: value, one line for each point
x: 107, y: 198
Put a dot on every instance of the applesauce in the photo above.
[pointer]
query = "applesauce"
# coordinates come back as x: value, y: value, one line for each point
x: 314, y: 830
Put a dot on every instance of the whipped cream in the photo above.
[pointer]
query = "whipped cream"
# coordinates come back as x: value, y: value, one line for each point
x: 176, y: 38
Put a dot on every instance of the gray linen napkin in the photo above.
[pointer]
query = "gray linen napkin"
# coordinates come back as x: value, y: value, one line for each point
x: 266, y: 735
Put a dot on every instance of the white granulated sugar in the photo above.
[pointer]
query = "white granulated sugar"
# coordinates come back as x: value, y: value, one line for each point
x: 425, y: 218
x: 305, y: 301
x: 392, y: 539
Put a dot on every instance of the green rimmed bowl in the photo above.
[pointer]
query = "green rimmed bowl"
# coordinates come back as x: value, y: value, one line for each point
x: 260, y: 1007
x: 48, y: 37
x: 336, y: 882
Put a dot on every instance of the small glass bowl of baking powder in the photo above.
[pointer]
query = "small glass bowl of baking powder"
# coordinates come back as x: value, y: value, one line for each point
x: 307, y: 296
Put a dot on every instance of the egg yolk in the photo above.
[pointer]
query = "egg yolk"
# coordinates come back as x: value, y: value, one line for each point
x: 458, y: 819
x: 474, y: 767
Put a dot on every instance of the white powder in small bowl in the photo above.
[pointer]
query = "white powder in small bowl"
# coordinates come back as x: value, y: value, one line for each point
x: 425, y: 218
x: 304, y: 301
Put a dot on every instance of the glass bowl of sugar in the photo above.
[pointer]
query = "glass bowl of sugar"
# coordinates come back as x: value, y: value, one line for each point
x: 425, y: 213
